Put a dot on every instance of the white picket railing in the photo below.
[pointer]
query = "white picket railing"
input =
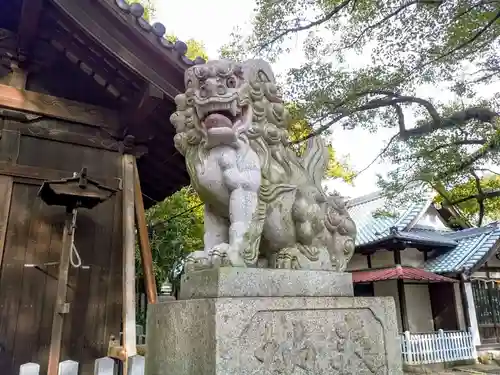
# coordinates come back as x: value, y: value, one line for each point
x: 438, y: 347
x: 103, y: 366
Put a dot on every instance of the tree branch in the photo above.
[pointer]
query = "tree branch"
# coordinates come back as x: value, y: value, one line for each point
x: 384, y: 150
x: 469, y: 9
x: 391, y: 99
x: 311, y: 24
x: 480, y: 197
x: 386, y: 18
x: 439, y: 188
x: 456, y: 119
x: 484, y: 195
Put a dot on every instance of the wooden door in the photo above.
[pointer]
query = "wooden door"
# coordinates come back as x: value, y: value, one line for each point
x: 444, y: 310
x: 487, y: 304
x: 30, y: 242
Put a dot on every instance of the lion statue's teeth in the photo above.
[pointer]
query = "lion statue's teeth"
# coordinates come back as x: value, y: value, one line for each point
x: 263, y: 204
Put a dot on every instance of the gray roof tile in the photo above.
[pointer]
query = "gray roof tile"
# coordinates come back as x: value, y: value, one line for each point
x: 371, y: 228
x: 427, y: 236
x: 473, y: 245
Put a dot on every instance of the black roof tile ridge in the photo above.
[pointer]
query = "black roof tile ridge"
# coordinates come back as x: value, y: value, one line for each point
x: 158, y: 30
x: 471, y: 232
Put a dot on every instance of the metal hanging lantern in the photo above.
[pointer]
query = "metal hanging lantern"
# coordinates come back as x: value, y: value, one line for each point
x: 73, y: 193
x: 76, y: 192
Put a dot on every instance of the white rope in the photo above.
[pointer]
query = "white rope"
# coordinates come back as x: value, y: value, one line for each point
x: 74, y: 253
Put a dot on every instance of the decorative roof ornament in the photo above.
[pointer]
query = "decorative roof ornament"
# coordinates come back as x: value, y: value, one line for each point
x: 158, y: 30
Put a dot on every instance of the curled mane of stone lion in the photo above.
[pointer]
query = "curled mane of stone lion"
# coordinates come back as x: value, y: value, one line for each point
x: 264, y: 205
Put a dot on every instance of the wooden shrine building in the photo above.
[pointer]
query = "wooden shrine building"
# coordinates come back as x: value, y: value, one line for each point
x: 82, y: 82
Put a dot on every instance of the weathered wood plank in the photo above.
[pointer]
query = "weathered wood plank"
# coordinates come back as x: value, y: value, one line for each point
x: 65, y: 136
x: 129, y: 334
x: 95, y: 246
x: 11, y: 277
x: 10, y: 142
x: 33, y: 102
x: 30, y: 299
x: 42, y: 174
x: 5, y: 199
x: 115, y: 273
x: 142, y: 231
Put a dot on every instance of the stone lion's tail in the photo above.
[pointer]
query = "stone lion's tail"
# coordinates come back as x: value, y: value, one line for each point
x: 315, y: 160
x: 343, y: 230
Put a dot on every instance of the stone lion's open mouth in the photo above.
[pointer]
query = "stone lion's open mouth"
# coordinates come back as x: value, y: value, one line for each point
x: 220, y: 115
x: 229, y: 109
x: 219, y: 119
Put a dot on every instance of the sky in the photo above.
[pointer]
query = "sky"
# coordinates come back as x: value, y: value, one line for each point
x: 189, y: 19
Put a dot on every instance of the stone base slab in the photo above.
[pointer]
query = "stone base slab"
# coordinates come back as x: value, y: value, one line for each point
x: 264, y: 282
x: 274, y: 335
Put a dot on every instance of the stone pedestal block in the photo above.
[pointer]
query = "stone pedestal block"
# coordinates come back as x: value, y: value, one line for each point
x: 264, y: 282
x: 269, y: 335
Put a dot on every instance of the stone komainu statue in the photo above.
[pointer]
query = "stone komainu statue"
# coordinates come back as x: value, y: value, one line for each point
x: 264, y: 205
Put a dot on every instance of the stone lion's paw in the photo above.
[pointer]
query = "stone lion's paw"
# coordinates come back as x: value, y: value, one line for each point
x: 226, y: 255
x: 197, y: 260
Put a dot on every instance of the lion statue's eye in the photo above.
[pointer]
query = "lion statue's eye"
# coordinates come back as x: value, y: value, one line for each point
x: 231, y: 82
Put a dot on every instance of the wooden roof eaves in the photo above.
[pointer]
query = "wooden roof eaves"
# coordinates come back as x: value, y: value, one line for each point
x: 168, y: 77
x: 153, y: 35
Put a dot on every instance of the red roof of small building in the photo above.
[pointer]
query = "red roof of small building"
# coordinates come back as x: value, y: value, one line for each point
x: 398, y: 273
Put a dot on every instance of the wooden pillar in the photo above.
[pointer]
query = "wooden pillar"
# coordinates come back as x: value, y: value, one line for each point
x: 401, y: 294
x: 145, y: 248
x: 465, y: 304
x: 61, y: 306
x: 5, y: 199
x: 128, y: 282
x: 474, y: 326
x: 402, y: 305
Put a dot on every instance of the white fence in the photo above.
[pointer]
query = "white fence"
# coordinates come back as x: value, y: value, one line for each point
x: 103, y: 366
x: 442, y: 346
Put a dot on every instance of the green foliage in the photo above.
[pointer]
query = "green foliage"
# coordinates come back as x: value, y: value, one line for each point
x: 176, y: 229
x: 300, y: 128
x: 470, y: 208
x: 383, y: 213
x: 195, y: 48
